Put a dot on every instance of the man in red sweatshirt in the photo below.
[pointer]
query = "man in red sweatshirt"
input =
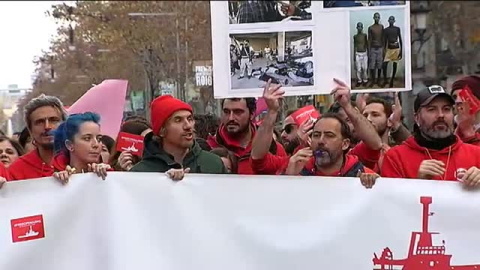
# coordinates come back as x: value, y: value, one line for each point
x: 42, y: 115
x: 328, y: 154
x: 237, y: 131
x: 434, y: 152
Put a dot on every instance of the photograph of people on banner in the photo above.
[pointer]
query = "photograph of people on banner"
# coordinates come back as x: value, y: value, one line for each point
x: 377, y: 48
x: 284, y: 57
x: 368, y: 47
x: 359, y: 4
x: 268, y: 11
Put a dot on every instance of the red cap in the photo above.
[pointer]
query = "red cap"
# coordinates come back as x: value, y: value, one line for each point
x: 162, y: 108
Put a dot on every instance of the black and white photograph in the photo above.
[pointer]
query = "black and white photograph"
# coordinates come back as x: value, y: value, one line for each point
x: 377, y: 48
x: 258, y: 11
x: 284, y: 57
x: 355, y: 4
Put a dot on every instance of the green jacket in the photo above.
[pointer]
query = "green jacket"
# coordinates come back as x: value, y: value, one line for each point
x: 155, y: 159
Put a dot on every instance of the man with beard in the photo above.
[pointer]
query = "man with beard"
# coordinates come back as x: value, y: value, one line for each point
x: 365, y: 142
x: 289, y: 134
x: 42, y: 115
x: 327, y: 155
x: 434, y: 152
x: 171, y: 146
x: 387, y: 123
x: 236, y: 132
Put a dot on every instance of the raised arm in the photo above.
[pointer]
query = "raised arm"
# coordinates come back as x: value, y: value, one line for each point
x: 363, y: 128
x: 264, y: 136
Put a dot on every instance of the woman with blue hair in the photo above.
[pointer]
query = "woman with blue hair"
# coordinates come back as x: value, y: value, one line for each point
x: 77, y: 145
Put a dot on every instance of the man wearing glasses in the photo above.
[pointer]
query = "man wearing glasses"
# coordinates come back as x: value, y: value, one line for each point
x: 434, y: 152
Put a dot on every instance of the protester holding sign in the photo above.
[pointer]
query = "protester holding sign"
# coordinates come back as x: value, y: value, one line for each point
x: 78, y: 147
x: 237, y: 131
x: 369, y: 147
x: 124, y: 160
x: 468, y: 117
x: 434, y: 152
x: 171, y: 147
x: 42, y: 115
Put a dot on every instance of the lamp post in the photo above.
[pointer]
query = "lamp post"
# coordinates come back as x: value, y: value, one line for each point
x: 420, y: 10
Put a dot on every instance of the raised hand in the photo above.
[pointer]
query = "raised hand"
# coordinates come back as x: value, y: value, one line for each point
x: 273, y: 94
x: 341, y: 93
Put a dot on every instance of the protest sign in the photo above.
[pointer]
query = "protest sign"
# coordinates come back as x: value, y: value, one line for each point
x: 303, y: 45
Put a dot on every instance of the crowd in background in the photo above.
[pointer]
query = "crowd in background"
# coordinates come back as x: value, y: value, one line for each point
x: 360, y: 137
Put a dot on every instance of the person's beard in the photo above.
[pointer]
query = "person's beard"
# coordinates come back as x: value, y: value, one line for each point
x: 47, y: 146
x: 241, y: 129
x: 323, y: 157
x: 430, y: 132
x: 290, y: 146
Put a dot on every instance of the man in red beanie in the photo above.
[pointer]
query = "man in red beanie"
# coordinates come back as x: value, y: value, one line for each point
x: 468, y: 123
x: 171, y: 147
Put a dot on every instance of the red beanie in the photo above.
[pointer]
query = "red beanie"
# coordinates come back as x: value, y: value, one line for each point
x: 473, y: 83
x: 162, y: 108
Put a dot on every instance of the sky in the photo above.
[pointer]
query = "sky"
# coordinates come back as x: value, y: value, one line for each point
x: 25, y: 30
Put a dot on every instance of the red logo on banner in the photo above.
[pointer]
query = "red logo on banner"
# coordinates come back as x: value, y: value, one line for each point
x: 305, y: 113
x: 130, y: 142
x: 27, y: 228
x: 422, y: 254
x: 467, y: 96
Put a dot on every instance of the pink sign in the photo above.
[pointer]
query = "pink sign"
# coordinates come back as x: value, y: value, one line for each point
x: 108, y: 100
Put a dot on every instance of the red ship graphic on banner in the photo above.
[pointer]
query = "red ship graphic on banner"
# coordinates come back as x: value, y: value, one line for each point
x: 422, y: 254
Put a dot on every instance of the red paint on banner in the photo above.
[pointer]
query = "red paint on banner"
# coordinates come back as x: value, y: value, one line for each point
x: 27, y: 228
x: 422, y: 254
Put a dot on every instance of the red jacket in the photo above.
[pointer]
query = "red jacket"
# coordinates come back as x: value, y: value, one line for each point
x: 29, y: 166
x: 243, y: 154
x: 403, y: 161
x: 366, y: 155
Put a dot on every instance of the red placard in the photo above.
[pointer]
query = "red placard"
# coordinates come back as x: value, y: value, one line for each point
x: 467, y: 96
x: 131, y: 143
x: 27, y: 228
x: 303, y: 114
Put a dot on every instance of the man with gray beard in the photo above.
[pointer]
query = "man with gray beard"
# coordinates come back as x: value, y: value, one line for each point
x: 328, y: 153
x: 434, y: 152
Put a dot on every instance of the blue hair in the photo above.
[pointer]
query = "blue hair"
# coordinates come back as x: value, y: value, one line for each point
x: 67, y: 130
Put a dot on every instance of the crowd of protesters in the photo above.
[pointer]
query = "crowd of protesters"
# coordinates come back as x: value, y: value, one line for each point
x: 363, y: 138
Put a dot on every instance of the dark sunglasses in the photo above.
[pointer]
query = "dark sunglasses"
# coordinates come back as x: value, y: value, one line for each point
x: 288, y: 128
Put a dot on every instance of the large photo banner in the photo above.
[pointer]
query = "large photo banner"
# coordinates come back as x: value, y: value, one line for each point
x: 146, y: 221
x: 303, y: 45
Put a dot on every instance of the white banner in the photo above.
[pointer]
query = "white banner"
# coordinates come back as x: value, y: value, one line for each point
x: 145, y: 221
